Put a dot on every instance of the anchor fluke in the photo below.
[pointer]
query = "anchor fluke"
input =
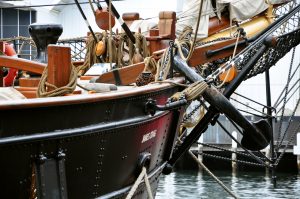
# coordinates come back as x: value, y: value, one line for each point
x: 260, y: 140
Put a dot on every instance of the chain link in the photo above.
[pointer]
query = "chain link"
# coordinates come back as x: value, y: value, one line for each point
x: 231, y: 160
x: 230, y: 151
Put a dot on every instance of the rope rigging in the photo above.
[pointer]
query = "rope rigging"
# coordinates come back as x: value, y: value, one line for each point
x: 121, y: 45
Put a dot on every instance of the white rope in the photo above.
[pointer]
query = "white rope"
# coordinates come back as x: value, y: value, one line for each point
x: 213, y: 176
x: 138, y: 181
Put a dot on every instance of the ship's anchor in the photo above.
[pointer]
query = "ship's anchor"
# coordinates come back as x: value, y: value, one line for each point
x: 257, y: 135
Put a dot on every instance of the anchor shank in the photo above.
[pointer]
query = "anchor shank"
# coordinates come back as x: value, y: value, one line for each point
x: 220, y: 102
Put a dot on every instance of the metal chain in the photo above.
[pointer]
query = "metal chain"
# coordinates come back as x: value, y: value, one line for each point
x: 229, y: 159
x: 289, y: 123
x: 287, y: 144
x: 189, y: 115
x: 227, y: 150
x: 285, y: 96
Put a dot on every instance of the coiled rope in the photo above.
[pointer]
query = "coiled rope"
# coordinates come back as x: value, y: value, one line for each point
x: 192, y: 45
x: 90, y: 56
x: 43, y: 87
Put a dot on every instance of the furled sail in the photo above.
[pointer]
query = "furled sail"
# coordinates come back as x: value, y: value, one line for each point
x: 239, y: 10
x: 243, y: 9
x: 188, y: 16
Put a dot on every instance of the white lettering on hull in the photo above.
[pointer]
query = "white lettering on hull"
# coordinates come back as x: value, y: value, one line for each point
x: 149, y: 136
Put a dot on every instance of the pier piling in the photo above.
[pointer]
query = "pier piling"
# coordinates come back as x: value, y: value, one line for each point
x: 234, y: 156
x: 200, y: 151
x: 296, y: 151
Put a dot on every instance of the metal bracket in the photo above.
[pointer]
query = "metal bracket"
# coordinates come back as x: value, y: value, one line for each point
x: 151, y: 107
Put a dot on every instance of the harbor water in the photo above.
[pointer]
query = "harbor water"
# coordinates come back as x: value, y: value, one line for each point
x: 192, y: 184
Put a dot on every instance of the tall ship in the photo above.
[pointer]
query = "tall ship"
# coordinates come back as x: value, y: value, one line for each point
x: 104, y: 115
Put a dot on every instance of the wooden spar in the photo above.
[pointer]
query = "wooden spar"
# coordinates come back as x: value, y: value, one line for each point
x: 22, y: 64
x: 59, y: 65
x: 253, y: 27
x: 200, y: 55
x: 122, y: 76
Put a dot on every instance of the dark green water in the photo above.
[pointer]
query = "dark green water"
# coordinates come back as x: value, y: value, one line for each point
x: 193, y: 184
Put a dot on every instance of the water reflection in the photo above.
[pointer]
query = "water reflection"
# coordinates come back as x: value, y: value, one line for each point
x: 193, y: 184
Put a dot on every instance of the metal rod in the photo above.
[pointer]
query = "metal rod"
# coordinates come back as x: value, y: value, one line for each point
x: 123, y: 24
x: 270, y: 120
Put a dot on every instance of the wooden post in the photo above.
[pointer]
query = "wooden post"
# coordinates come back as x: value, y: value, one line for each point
x: 234, y: 156
x: 2, y: 49
x: 268, y: 155
x: 296, y: 151
x: 59, y: 65
x: 200, y: 150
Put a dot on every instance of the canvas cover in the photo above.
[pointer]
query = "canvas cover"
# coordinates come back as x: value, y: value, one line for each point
x: 189, y: 14
x: 244, y: 9
x: 239, y: 10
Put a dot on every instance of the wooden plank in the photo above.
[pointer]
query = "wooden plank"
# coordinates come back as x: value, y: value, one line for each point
x: 59, y: 65
x: 122, y: 76
x: 22, y: 64
x: 216, y: 25
x: 29, y: 82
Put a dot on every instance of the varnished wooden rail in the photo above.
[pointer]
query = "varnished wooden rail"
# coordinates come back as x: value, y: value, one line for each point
x: 22, y: 64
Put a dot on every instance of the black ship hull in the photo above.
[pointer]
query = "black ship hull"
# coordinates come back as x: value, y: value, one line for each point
x: 85, y: 148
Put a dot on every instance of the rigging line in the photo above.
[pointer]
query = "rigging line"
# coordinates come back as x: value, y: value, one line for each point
x: 92, y: 7
x: 287, y: 144
x: 249, y: 107
x: 262, y: 35
x: 279, y: 98
x: 86, y: 21
x: 244, y: 111
x: 230, y: 135
x: 48, y: 5
x: 213, y: 176
x: 250, y: 152
x: 228, y: 150
x: 289, y: 123
x: 296, y: 89
x: 286, y: 92
x: 210, y: 173
x: 251, y: 100
x: 231, y: 160
x: 122, y: 23
x: 233, y: 138
x: 189, y: 12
